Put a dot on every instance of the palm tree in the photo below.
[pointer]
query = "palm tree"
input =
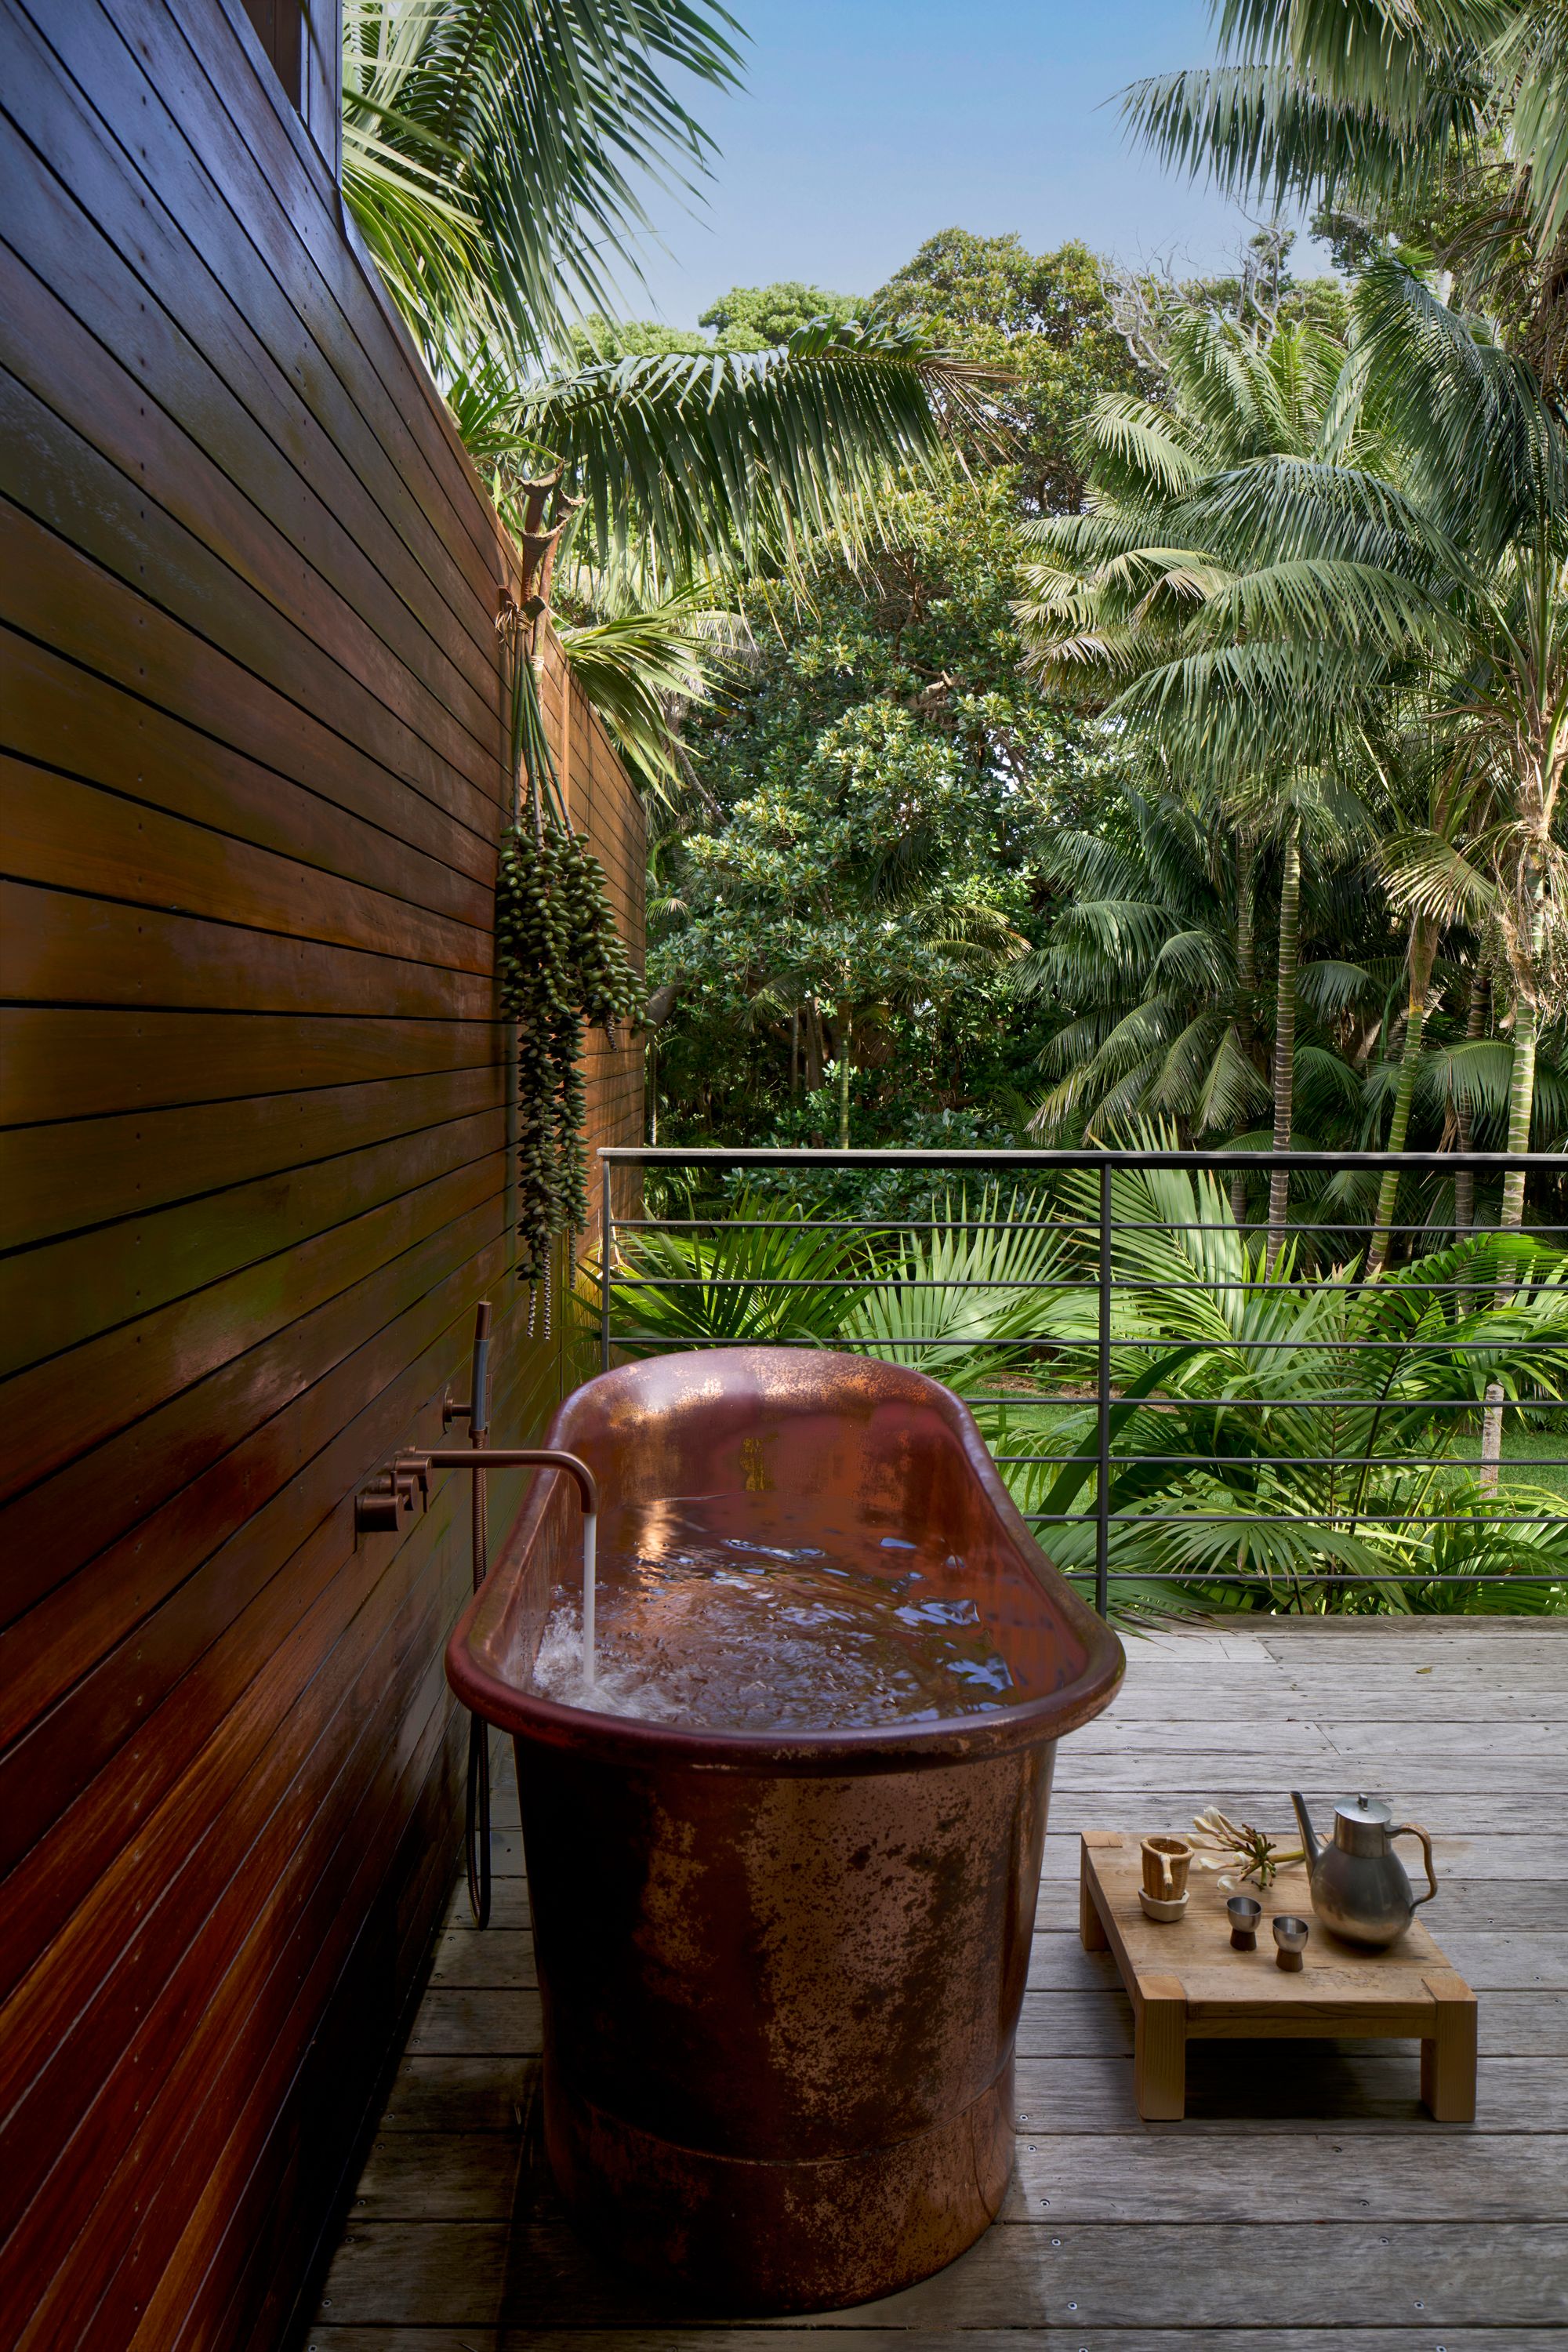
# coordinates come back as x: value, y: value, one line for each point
x: 1149, y: 958
x: 1412, y: 563
x: 492, y: 151
x: 1141, y: 594
x: 1445, y: 121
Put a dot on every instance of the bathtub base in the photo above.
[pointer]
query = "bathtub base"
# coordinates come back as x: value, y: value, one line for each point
x: 755, y: 2237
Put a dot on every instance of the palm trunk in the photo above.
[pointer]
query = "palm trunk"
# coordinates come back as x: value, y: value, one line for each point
x: 845, y: 1032
x: 1521, y: 1110
x: 1423, y: 953
x: 794, y: 1053
x: 814, y: 1053
x: 1284, y: 1034
x: 1246, y: 977
x: 1465, y: 1181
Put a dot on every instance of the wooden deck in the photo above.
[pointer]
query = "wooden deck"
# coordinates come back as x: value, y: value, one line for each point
x: 1118, y: 2236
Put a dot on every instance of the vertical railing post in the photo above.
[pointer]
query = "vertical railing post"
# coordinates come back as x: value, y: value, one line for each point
x: 1102, y: 1399
x: 606, y: 1243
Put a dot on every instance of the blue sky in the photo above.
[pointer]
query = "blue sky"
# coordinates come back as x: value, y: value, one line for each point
x: 866, y: 125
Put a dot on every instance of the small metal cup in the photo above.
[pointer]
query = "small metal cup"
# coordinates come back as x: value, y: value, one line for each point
x: 1245, y: 1915
x: 1291, y: 1938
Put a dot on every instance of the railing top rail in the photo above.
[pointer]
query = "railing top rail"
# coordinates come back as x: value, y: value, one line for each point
x: 1356, y: 1163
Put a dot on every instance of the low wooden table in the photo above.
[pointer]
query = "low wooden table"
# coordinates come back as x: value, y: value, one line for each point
x: 1187, y: 1984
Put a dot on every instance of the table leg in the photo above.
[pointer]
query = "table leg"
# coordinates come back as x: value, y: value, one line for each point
x: 1448, y: 2057
x: 1090, y: 1926
x: 1159, y: 2049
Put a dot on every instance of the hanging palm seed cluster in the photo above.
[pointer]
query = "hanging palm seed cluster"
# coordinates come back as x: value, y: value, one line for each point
x: 561, y: 963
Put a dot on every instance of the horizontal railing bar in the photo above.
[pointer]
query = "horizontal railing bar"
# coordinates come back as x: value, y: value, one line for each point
x: 1410, y: 1346
x: 1394, y: 1287
x: 1390, y: 1402
x: 1214, y: 1463
x: 1054, y: 1222
x: 1369, y: 1163
x: 1252, y: 1580
x: 1345, y: 1521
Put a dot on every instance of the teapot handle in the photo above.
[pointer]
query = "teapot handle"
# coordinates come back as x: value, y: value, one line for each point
x: 1413, y: 1829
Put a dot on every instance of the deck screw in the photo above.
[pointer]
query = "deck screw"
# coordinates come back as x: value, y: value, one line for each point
x: 1055, y: 2241
x: 1072, y: 2306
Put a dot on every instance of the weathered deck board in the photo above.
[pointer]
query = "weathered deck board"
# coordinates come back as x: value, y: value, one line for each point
x: 1144, y: 2236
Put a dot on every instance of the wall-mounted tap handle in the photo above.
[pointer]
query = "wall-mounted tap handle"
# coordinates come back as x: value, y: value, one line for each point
x: 379, y: 1507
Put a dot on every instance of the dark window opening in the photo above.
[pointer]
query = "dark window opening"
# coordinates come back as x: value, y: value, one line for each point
x: 280, y: 27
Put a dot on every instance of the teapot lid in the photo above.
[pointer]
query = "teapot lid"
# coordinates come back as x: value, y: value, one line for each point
x: 1364, y: 1809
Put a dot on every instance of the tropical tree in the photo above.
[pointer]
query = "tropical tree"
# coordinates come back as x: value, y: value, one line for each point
x: 1442, y: 122
x: 1139, y: 599
x: 1148, y: 956
x: 839, y: 891
x: 1407, y: 570
x: 493, y: 152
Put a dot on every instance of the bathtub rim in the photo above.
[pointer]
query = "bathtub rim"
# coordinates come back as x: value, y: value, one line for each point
x: 866, y: 1747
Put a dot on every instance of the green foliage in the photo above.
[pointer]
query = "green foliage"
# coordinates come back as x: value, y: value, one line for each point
x: 1047, y: 319
x: 492, y: 152
x: 875, y: 780
x: 1281, y: 1442
x: 757, y: 318
x: 559, y: 964
x: 747, y: 319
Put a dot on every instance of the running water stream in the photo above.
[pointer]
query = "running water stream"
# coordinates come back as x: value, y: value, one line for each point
x: 762, y: 1631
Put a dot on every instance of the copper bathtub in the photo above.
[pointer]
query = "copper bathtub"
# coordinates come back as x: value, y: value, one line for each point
x: 781, y: 1974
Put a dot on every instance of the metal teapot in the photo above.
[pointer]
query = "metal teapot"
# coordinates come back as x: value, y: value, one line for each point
x: 1358, y: 1886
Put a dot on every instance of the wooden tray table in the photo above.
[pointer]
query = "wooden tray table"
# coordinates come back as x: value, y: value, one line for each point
x: 1187, y: 1984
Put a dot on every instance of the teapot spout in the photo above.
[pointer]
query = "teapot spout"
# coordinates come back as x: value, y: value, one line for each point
x: 1309, y: 1838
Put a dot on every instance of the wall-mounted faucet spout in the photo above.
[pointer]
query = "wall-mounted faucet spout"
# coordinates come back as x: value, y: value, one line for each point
x: 378, y: 1507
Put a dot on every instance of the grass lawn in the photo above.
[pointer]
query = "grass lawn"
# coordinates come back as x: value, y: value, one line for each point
x: 1523, y: 1448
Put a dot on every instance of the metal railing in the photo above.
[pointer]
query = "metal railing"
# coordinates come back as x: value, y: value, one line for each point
x: 1524, y: 1359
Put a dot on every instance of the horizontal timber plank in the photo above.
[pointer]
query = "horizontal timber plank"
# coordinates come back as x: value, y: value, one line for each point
x: 247, y: 1428
x: 212, y: 1619
x: 64, y: 1293
x: 276, y: 2024
x: 62, y: 948
x: 249, y: 223
x: 458, y: 2020
x: 198, y: 353
x: 1449, y: 1811
x: 170, y: 1775
x: 74, y: 837
x: 540, y: 2277
x: 69, y: 1292
x: 289, y: 216
x: 258, y: 2227
x: 187, y: 1965
x: 227, y: 486
x: 422, y: 2177
x: 144, y: 1161
x: 326, y: 2336
x: 391, y: 842
x: 106, y: 1383
x: 53, y: 473
x: 57, y: 1066
x: 104, y: 623
x: 1356, y: 2088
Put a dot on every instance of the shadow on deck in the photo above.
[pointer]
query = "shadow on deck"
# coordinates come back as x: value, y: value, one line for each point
x: 1118, y: 2236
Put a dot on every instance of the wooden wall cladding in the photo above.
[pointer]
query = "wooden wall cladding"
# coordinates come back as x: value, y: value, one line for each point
x: 255, y: 1166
